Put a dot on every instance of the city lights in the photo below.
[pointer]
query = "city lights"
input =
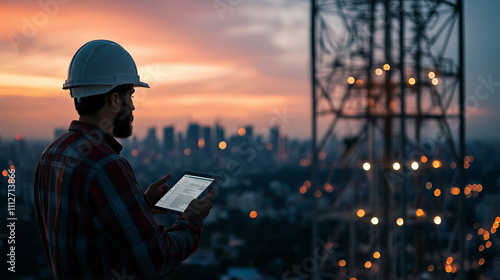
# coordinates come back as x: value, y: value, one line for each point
x: 436, y: 164
x: 414, y: 165
x: 423, y: 159
x: 187, y: 151
x: 486, y: 235
x: 366, y: 166
x: 368, y: 264
x: 396, y: 166
x: 135, y: 152
x: 305, y: 162
x: 431, y: 75
x: 342, y: 263
x: 201, y: 143
x: 322, y: 155
x: 435, y: 81
x: 374, y: 220
x: 437, y: 192
x: 378, y: 71
x: 437, y: 220
x: 419, y: 213
x: 376, y: 255
x: 428, y: 185
x: 400, y: 221
x: 303, y: 190
x: 253, y: 214
x: 387, y: 67
x: 222, y: 145
x: 351, y: 80
x: 361, y: 213
x: 411, y: 81
x: 448, y: 268
x: 328, y: 187
x: 242, y: 131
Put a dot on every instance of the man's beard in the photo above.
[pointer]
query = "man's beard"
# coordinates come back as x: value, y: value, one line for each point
x: 122, y: 125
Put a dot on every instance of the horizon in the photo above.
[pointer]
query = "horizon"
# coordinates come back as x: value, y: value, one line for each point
x: 244, y: 66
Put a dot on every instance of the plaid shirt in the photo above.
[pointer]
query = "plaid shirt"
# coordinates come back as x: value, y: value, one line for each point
x: 94, y: 219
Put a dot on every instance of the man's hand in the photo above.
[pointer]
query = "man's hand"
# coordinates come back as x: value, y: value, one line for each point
x: 156, y: 189
x: 201, y: 207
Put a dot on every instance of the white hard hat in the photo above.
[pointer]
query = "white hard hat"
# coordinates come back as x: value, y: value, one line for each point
x: 99, y: 66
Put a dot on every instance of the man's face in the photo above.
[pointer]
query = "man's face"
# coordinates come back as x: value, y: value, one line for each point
x: 122, y: 125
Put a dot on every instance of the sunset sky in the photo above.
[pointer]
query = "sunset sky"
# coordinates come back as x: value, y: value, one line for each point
x: 246, y: 65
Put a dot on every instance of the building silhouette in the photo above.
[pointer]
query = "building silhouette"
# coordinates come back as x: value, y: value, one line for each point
x: 168, y: 139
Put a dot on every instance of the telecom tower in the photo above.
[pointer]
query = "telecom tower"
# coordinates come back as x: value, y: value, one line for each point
x: 387, y: 77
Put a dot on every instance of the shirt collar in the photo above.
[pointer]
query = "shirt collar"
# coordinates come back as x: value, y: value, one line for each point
x: 97, y: 133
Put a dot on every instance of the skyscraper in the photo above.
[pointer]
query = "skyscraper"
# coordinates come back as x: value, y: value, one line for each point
x: 151, y: 142
x: 168, y: 139
x: 193, y: 135
x: 275, y: 139
x: 219, y: 134
x: 207, y: 136
x: 249, y: 131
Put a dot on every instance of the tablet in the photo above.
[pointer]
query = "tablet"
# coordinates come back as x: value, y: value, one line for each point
x: 189, y: 186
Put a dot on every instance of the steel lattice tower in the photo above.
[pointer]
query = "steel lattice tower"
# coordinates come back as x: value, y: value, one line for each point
x: 387, y: 77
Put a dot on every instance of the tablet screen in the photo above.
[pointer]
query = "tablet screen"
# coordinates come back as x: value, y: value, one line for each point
x: 189, y: 187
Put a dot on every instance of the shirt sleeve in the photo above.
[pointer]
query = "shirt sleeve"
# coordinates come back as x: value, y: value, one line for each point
x: 121, y: 213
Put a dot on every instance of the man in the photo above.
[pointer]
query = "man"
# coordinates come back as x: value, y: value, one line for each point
x: 94, y: 220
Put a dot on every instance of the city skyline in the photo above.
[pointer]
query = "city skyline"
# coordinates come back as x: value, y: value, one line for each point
x: 236, y: 66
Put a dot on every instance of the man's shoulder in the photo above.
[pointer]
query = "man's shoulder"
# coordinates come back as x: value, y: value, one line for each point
x: 79, y: 147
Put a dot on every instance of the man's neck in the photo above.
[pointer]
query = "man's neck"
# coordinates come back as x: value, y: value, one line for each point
x: 105, y: 124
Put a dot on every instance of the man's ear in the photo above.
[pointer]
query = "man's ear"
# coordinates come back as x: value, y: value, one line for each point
x: 114, y: 100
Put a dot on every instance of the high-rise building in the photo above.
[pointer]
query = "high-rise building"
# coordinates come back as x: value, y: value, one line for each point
x: 219, y: 134
x: 168, y: 139
x: 193, y: 135
x: 249, y: 131
x: 275, y: 139
x: 207, y: 144
x: 151, y: 142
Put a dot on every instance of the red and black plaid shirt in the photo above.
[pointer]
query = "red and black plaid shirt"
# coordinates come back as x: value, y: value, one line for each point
x: 94, y: 219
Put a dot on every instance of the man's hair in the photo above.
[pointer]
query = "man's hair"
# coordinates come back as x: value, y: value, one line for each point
x: 91, y: 104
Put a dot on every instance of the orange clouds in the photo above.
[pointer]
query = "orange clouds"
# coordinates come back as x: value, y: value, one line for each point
x: 200, y: 67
